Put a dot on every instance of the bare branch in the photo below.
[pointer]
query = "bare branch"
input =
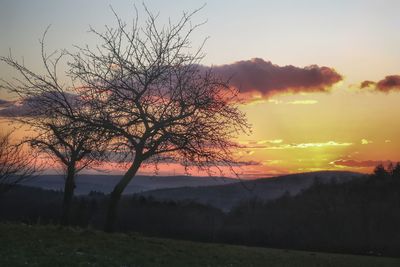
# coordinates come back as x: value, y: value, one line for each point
x: 16, y: 165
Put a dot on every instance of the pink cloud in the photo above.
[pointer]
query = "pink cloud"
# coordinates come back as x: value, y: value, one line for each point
x: 389, y: 83
x: 257, y: 76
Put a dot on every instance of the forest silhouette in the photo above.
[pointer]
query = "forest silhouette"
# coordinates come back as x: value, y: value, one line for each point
x: 357, y: 216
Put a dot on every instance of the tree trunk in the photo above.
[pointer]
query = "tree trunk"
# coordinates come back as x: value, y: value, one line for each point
x: 115, y: 196
x: 68, y: 194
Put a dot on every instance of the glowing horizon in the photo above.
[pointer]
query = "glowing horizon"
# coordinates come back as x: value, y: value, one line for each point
x: 329, y: 104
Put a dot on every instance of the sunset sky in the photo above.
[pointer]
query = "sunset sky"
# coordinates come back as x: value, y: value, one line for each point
x: 320, y: 79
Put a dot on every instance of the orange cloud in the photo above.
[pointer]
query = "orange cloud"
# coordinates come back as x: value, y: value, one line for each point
x: 278, y: 145
x: 366, y: 142
x: 303, y: 102
x: 359, y: 163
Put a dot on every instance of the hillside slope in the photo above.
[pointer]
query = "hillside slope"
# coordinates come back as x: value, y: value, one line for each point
x: 227, y: 196
x: 105, y: 183
x: 22, y: 245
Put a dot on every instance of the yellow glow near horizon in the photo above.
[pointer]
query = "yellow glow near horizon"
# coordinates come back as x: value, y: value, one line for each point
x: 342, y: 125
x: 345, y: 129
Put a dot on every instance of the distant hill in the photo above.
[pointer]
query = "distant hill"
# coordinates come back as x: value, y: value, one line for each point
x: 105, y: 183
x: 227, y: 196
x: 223, y: 193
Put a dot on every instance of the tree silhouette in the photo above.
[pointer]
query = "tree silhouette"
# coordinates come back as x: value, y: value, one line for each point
x: 146, y: 88
x: 380, y: 171
x: 16, y: 165
x: 74, y: 147
x: 48, y: 106
x: 395, y: 172
x: 141, y: 93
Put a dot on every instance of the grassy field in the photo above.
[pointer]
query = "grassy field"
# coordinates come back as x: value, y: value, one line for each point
x: 22, y: 245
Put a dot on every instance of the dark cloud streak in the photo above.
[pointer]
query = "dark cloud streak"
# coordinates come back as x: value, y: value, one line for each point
x: 4, y: 102
x: 388, y: 84
x: 251, y: 77
x: 262, y: 77
x: 32, y: 106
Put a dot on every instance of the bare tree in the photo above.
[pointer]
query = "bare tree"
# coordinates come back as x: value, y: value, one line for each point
x: 72, y: 146
x: 48, y: 107
x: 16, y: 165
x: 145, y: 87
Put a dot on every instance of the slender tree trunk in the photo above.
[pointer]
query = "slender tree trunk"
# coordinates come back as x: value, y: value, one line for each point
x: 68, y: 194
x: 116, y: 196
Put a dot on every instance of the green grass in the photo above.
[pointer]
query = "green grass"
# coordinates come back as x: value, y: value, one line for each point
x: 23, y: 245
